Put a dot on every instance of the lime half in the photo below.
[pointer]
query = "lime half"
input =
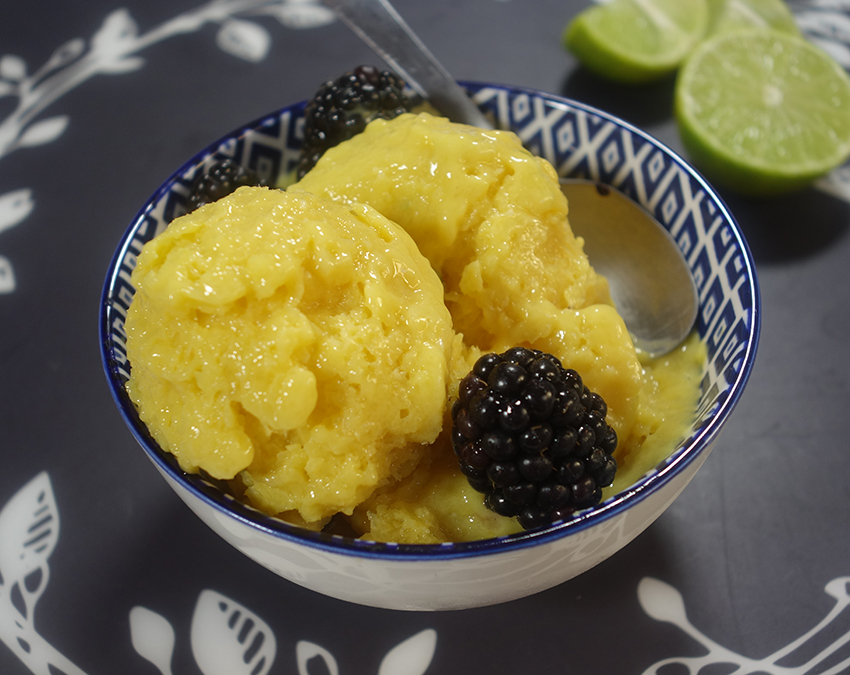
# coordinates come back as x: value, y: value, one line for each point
x: 728, y: 15
x: 636, y: 41
x: 763, y: 112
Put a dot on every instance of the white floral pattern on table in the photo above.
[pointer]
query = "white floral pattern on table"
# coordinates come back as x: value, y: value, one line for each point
x: 29, y: 521
x: 113, y: 50
x: 664, y: 603
x: 227, y: 638
x: 115, y: 47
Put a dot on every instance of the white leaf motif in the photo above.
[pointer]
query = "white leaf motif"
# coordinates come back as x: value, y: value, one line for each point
x: 229, y: 639
x: 7, y: 276
x: 244, y: 39
x: 661, y: 601
x: 125, y: 65
x: 118, y: 29
x: 306, y: 650
x: 300, y: 15
x: 411, y: 657
x: 29, y: 529
x: 63, y: 55
x: 14, y: 207
x: 44, y: 131
x: 13, y: 68
x: 153, y: 637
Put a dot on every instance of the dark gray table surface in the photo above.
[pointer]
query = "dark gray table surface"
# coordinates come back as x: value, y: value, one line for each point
x: 750, y: 545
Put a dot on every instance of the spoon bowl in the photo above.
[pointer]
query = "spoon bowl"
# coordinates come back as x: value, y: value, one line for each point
x: 649, y: 278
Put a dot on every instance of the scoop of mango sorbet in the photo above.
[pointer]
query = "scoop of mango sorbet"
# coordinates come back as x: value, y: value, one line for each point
x: 301, y: 344
x: 488, y: 215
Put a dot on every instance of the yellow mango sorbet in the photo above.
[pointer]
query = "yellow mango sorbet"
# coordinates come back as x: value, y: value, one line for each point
x: 488, y: 215
x: 307, y: 344
x: 492, y: 220
x: 299, y: 342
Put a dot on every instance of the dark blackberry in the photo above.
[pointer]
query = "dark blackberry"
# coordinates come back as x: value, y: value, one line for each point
x: 343, y: 107
x: 532, y: 437
x: 223, y: 178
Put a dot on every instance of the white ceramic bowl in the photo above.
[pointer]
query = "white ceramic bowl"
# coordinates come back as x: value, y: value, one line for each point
x: 579, y: 141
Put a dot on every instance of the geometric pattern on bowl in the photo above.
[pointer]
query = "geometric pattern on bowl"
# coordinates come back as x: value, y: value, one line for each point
x: 579, y: 141
x: 582, y: 142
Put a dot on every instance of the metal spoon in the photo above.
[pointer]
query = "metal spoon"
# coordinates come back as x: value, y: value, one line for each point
x: 381, y: 27
x: 649, y: 278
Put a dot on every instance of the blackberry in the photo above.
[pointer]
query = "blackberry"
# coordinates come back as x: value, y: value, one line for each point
x: 532, y: 437
x: 343, y: 107
x: 223, y: 178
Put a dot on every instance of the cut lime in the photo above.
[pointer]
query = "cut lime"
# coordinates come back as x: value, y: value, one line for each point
x: 636, y: 41
x: 728, y: 15
x: 763, y: 112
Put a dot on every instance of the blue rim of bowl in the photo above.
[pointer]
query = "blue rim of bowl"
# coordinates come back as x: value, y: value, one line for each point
x: 215, y: 497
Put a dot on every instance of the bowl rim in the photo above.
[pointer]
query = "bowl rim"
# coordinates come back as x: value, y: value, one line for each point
x: 649, y: 483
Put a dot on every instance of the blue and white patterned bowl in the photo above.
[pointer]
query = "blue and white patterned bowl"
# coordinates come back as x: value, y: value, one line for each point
x: 579, y: 141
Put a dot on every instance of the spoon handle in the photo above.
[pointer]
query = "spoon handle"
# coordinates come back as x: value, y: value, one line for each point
x: 382, y: 28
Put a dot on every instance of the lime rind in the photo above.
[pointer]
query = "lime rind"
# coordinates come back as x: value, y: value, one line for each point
x: 636, y: 41
x: 763, y: 112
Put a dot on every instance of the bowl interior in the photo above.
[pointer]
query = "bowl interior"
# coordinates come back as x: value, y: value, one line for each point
x: 579, y: 141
